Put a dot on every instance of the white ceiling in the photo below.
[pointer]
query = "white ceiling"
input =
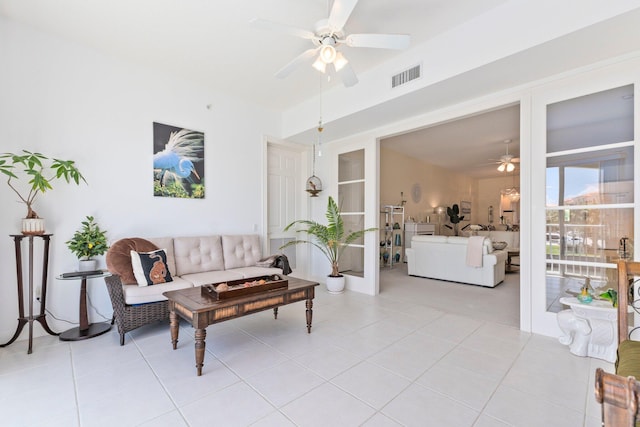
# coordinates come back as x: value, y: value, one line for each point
x: 469, y: 146
x: 211, y: 42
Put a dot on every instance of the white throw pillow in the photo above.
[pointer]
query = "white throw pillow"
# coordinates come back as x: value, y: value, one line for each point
x: 150, y: 268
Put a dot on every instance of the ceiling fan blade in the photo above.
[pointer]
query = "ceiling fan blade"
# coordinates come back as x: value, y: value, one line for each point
x: 381, y: 41
x: 263, y: 24
x: 347, y: 75
x: 340, y: 13
x: 515, y: 160
x: 303, y: 57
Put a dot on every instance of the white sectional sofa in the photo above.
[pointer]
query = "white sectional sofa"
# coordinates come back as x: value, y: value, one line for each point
x: 191, y: 261
x: 445, y: 258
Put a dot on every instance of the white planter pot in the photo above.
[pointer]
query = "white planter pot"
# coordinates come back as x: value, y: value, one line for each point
x: 32, y: 226
x: 335, y: 285
x: 87, y: 265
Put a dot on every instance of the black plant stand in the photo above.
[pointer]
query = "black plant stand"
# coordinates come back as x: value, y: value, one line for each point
x: 22, y: 319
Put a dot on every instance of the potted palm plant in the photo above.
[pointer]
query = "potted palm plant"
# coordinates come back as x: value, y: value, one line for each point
x: 87, y: 242
x: 41, y: 171
x: 330, y: 239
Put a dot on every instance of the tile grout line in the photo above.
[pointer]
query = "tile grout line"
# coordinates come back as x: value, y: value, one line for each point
x: 75, y: 385
x: 164, y: 388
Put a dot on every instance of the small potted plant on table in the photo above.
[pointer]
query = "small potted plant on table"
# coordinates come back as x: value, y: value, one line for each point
x: 88, y: 242
x: 330, y: 239
x: 42, y: 171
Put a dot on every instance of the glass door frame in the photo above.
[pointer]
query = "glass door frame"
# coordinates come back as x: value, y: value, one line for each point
x: 609, y: 77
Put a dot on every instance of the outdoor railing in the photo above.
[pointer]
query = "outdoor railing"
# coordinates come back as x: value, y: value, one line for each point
x: 579, y: 250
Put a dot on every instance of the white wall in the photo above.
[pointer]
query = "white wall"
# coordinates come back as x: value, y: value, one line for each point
x: 489, y: 190
x: 440, y: 187
x: 69, y: 102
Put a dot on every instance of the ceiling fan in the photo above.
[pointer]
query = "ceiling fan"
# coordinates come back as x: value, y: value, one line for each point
x: 328, y: 36
x: 506, y: 162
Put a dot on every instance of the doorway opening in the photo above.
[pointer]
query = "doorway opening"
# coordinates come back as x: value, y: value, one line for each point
x: 427, y: 170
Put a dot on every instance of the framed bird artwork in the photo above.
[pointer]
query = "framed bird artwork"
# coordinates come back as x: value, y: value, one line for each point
x: 178, y: 162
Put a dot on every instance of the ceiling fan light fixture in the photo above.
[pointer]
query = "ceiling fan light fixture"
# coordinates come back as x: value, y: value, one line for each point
x: 320, y: 65
x: 510, y: 167
x: 502, y: 167
x: 340, y: 61
x: 328, y: 54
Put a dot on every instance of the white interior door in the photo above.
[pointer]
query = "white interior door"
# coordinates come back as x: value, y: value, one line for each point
x: 286, y: 166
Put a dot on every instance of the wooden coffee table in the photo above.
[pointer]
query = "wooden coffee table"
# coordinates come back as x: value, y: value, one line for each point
x: 202, y: 311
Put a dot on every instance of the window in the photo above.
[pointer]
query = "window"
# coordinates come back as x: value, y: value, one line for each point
x: 589, y: 189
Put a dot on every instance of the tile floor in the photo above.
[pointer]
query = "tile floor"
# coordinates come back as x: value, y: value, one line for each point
x: 422, y: 353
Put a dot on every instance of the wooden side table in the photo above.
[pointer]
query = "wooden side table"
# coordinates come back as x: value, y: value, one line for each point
x: 86, y: 329
x: 22, y: 319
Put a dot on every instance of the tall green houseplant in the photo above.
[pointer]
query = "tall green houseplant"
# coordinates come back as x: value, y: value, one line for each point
x: 330, y: 239
x: 41, y: 171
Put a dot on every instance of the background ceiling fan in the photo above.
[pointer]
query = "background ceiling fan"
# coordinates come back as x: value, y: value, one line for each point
x: 327, y: 36
x: 506, y: 161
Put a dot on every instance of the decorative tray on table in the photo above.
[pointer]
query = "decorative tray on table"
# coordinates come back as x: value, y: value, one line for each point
x: 243, y: 287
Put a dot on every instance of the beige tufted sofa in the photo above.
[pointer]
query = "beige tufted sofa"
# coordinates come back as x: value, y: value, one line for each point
x: 192, y: 261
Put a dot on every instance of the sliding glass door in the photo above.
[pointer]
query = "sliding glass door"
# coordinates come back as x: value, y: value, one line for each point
x: 586, y: 144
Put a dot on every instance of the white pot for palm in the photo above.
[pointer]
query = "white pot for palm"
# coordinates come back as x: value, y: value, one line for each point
x: 335, y: 284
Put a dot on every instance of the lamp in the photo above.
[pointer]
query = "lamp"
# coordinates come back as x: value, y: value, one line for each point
x: 320, y: 65
x: 506, y: 162
x: 340, y: 61
x: 509, y: 167
x: 328, y: 54
x: 440, y: 211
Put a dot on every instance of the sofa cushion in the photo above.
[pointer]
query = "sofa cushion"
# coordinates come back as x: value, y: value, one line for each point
x: 146, y: 294
x: 429, y: 239
x: 119, y: 257
x: 457, y: 240
x: 256, y: 271
x: 241, y: 250
x: 628, y: 362
x: 208, y: 277
x: 198, y: 254
x: 150, y: 268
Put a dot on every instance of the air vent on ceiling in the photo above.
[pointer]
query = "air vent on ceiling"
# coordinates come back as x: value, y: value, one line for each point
x: 406, y: 76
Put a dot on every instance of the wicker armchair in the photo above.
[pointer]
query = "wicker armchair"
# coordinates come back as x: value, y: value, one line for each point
x: 130, y: 317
